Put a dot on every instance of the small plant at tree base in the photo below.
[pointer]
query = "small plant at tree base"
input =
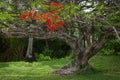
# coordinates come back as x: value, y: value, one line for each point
x: 42, y: 57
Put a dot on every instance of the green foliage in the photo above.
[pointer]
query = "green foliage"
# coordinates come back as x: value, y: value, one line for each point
x: 42, y: 57
x: 38, y: 4
x: 107, y: 51
x: 112, y: 47
x: 55, y: 48
x: 18, y: 46
x: 59, y: 47
x: 5, y: 10
x: 4, y: 44
x: 6, y: 16
x: 47, y: 52
x: 114, y: 18
x: 69, y: 10
x: 15, y: 51
x: 116, y: 45
x: 3, y: 5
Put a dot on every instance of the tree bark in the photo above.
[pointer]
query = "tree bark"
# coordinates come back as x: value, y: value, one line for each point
x: 82, y: 55
x: 29, y: 55
x: 77, y: 65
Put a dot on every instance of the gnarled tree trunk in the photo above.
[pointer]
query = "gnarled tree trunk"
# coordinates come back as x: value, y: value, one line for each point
x: 77, y: 65
x: 80, y: 62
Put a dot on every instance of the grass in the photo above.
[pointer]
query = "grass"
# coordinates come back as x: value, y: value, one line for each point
x: 106, y: 68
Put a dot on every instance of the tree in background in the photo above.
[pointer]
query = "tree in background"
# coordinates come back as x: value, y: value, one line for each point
x: 86, y: 30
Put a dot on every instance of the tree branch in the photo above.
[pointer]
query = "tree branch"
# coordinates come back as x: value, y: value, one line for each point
x: 3, y: 23
x: 116, y: 32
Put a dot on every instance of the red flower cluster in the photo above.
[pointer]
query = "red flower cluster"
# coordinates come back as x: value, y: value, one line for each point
x: 27, y: 15
x: 49, y: 18
x: 51, y: 23
x: 52, y: 26
x: 55, y: 5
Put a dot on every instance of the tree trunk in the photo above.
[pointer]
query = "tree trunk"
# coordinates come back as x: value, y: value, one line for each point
x: 77, y: 65
x: 82, y: 55
x: 29, y: 55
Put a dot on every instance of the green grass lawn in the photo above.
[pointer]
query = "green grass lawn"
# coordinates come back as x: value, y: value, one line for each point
x: 106, y: 68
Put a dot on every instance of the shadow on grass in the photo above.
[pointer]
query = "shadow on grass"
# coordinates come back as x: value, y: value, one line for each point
x: 55, y: 64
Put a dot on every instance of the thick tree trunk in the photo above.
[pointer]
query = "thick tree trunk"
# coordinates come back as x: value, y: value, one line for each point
x: 77, y: 65
x: 82, y: 56
x: 29, y: 55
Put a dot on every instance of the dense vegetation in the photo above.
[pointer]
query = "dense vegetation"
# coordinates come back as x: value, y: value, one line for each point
x: 15, y: 49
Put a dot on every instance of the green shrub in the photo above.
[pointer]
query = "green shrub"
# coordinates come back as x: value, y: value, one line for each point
x: 60, y: 48
x: 116, y: 45
x: 107, y: 51
x: 112, y: 47
x: 15, y: 51
x: 47, y: 52
x: 54, y: 48
x: 19, y: 48
x: 42, y: 57
x: 4, y: 44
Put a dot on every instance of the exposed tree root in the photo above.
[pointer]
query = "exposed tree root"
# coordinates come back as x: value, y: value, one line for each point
x: 71, y: 69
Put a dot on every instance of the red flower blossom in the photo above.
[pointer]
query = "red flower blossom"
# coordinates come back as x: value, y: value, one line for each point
x: 57, y: 7
x: 23, y: 15
x: 60, y: 6
x: 34, y: 17
x: 59, y: 25
x: 46, y: 15
x: 31, y: 13
x: 27, y: 15
x: 55, y: 17
x: 53, y: 4
x: 52, y: 26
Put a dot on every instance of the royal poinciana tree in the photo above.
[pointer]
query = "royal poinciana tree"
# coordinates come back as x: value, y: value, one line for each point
x: 84, y: 25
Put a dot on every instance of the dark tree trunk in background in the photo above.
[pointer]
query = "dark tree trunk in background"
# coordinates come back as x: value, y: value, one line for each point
x: 29, y: 55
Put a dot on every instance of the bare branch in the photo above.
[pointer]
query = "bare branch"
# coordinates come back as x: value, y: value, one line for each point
x: 116, y: 32
x: 5, y: 24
